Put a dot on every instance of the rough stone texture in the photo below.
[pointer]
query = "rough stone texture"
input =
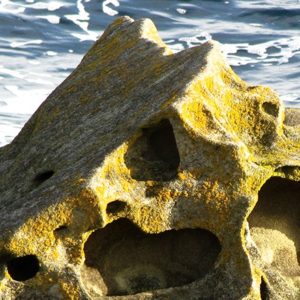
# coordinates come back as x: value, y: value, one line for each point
x: 152, y: 175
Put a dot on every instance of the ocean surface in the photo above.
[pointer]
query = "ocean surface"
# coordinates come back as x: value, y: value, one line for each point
x: 41, y: 42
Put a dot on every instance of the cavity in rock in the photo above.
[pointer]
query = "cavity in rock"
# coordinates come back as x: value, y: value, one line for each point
x: 130, y: 261
x: 154, y: 155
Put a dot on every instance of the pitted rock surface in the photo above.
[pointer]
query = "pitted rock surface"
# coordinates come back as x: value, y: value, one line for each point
x: 152, y: 175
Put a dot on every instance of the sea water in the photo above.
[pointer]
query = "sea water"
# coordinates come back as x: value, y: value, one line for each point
x: 41, y: 42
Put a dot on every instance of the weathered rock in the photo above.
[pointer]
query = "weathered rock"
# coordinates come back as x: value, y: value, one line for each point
x: 152, y: 175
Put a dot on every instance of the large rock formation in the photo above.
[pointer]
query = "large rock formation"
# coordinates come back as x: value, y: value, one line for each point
x: 152, y: 175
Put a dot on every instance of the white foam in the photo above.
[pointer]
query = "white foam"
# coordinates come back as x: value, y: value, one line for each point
x: 291, y: 97
x: 8, y: 132
x: 256, y: 24
x: 82, y: 20
x: 200, y: 38
x: 53, y: 5
x: 22, y: 100
x: 258, y: 50
x: 51, y: 19
x: 34, y: 62
x: 83, y: 37
x: 286, y: 49
x: 12, y: 73
x: 50, y: 6
x: 12, y: 88
x: 23, y: 43
x: 286, y: 4
x: 181, y: 11
x: 38, y: 81
x: 6, y: 6
x: 108, y: 10
x: 51, y: 53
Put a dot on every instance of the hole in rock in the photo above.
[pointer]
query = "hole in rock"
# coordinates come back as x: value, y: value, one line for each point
x: 264, y: 290
x: 271, y: 109
x: 41, y: 177
x: 116, y: 207
x: 61, y: 228
x: 129, y: 261
x: 154, y: 156
x: 4, y: 258
x: 23, y: 268
x: 275, y: 225
x: 286, y: 169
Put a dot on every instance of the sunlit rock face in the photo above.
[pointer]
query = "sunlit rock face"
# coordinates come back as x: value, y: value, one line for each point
x: 152, y: 175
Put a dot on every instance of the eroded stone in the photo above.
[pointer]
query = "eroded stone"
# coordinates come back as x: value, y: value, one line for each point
x: 152, y: 175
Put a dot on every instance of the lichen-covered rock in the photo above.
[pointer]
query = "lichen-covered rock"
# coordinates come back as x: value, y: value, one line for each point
x: 152, y: 175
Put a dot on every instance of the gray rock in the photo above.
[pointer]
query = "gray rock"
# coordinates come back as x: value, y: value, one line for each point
x: 152, y: 175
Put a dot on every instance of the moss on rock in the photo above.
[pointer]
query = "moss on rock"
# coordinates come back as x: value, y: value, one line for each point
x: 152, y: 175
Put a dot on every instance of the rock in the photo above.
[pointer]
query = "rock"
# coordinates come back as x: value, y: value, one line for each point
x: 152, y: 175
x: 292, y: 117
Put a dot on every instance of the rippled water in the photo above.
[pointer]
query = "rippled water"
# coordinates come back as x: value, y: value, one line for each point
x: 42, y: 41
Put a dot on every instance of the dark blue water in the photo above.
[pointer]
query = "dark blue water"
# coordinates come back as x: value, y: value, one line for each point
x: 42, y: 41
